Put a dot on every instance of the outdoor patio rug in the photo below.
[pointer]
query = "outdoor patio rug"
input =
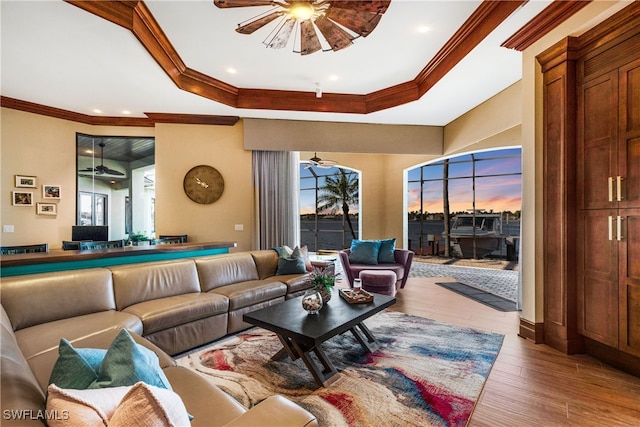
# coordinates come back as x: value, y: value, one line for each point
x: 494, y: 301
x: 426, y: 373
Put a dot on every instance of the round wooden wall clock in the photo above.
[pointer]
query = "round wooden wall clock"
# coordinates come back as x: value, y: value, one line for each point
x: 203, y: 184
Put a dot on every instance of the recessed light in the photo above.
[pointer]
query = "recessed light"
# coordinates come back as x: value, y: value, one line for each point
x: 126, y: 112
x: 333, y: 77
x: 97, y: 111
x: 423, y: 29
x: 232, y: 70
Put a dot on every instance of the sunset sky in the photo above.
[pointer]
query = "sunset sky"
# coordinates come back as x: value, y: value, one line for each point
x: 497, y: 193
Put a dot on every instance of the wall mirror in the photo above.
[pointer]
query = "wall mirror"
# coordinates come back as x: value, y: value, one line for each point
x: 116, y: 183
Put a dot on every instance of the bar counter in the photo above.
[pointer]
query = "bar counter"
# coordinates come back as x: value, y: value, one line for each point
x: 59, y: 260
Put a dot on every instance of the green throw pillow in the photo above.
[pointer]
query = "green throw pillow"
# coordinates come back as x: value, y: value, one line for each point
x: 387, y: 251
x: 364, y: 252
x: 292, y: 264
x: 123, y: 364
x: 72, y: 369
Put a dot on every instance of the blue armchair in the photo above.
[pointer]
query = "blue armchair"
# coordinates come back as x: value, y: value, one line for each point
x: 401, y: 267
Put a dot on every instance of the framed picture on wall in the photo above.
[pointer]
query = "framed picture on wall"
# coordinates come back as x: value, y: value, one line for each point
x: 25, y: 181
x: 50, y: 191
x: 22, y: 198
x: 47, y: 209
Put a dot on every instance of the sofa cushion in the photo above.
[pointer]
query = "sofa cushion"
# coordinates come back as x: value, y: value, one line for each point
x: 143, y: 282
x: 364, y: 251
x: 208, y: 404
x: 295, y: 282
x: 266, y: 262
x: 46, y: 337
x: 163, y: 313
x: 222, y: 270
x: 245, y: 294
x: 125, y: 363
x: 40, y: 298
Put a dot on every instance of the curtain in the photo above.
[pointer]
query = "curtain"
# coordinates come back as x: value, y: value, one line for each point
x: 276, y: 176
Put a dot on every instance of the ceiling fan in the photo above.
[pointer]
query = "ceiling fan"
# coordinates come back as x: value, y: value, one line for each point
x: 102, y: 169
x: 339, y: 21
x: 323, y: 164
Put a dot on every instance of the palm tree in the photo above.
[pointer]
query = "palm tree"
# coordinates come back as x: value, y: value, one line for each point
x: 340, y: 191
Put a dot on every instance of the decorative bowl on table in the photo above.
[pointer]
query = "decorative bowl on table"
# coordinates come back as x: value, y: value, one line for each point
x: 312, y: 301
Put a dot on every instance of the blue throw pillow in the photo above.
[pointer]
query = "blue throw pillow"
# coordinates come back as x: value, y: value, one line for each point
x: 364, y: 252
x: 386, y: 253
x: 293, y: 264
x: 123, y: 364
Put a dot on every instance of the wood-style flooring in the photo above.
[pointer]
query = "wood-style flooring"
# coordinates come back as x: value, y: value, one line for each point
x: 530, y: 384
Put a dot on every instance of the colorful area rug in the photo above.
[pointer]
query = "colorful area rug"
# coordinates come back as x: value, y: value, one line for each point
x: 426, y: 373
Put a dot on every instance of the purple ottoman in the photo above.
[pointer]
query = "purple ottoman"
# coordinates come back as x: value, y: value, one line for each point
x: 379, y: 281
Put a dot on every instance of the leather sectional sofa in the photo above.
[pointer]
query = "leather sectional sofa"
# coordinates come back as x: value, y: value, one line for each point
x: 170, y: 307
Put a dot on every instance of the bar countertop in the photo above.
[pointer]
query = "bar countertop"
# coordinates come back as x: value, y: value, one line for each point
x: 58, y: 259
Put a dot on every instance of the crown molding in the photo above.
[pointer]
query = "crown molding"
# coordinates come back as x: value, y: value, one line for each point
x: 193, y: 119
x: 136, y: 17
x: 149, y: 121
x: 552, y: 16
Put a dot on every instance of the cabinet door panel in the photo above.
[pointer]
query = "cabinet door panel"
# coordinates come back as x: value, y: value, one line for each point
x: 597, y: 277
x: 598, y: 140
x: 629, y: 146
x: 630, y: 282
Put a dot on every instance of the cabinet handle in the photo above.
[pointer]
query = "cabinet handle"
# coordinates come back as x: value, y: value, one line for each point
x: 610, y: 223
x: 619, y: 228
x: 619, y: 188
x: 610, y: 188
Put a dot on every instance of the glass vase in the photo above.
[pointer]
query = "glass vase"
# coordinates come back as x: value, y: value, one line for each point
x: 312, y: 301
x: 325, y: 293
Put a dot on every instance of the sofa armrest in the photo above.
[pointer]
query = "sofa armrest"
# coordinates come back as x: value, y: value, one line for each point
x: 275, y: 411
x: 344, y: 259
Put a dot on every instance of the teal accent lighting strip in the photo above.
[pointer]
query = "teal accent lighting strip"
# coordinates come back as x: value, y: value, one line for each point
x: 20, y: 270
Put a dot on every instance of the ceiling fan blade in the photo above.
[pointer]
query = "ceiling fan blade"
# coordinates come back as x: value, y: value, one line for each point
x: 336, y: 36
x: 376, y: 6
x: 258, y: 23
x: 113, y: 172
x: 87, y: 170
x: 282, y: 35
x: 241, y: 3
x: 309, y: 42
x: 362, y: 23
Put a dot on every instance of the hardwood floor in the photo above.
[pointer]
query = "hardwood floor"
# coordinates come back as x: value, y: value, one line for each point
x: 530, y: 384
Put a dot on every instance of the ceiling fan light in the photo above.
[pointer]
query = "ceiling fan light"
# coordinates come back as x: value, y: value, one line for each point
x: 301, y: 10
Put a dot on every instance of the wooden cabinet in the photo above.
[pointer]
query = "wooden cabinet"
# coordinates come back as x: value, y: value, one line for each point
x: 608, y: 187
x: 592, y: 247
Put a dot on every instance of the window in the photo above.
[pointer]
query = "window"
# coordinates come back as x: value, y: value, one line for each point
x: 329, y: 207
x: 488, y: 181
x: 93, y: 208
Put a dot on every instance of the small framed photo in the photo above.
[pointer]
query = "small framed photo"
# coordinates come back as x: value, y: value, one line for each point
x: 25, y: 181
x: 47, y: 209
x: 50, y: 191
x: 22, y: 198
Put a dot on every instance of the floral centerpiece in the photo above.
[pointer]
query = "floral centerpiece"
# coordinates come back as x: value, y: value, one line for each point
x: 323, y: 280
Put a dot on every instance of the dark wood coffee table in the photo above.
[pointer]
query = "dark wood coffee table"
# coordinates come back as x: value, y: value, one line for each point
x: 302, y: 334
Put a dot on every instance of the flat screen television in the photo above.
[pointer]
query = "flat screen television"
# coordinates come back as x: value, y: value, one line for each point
x: 90, y: 232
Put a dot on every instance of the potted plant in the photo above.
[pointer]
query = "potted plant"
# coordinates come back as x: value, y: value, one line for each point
x: 323, y: 280
x: 139, y: 239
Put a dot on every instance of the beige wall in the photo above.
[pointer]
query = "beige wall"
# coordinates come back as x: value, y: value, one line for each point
x: 181, y: 147
x: 44, y: 147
